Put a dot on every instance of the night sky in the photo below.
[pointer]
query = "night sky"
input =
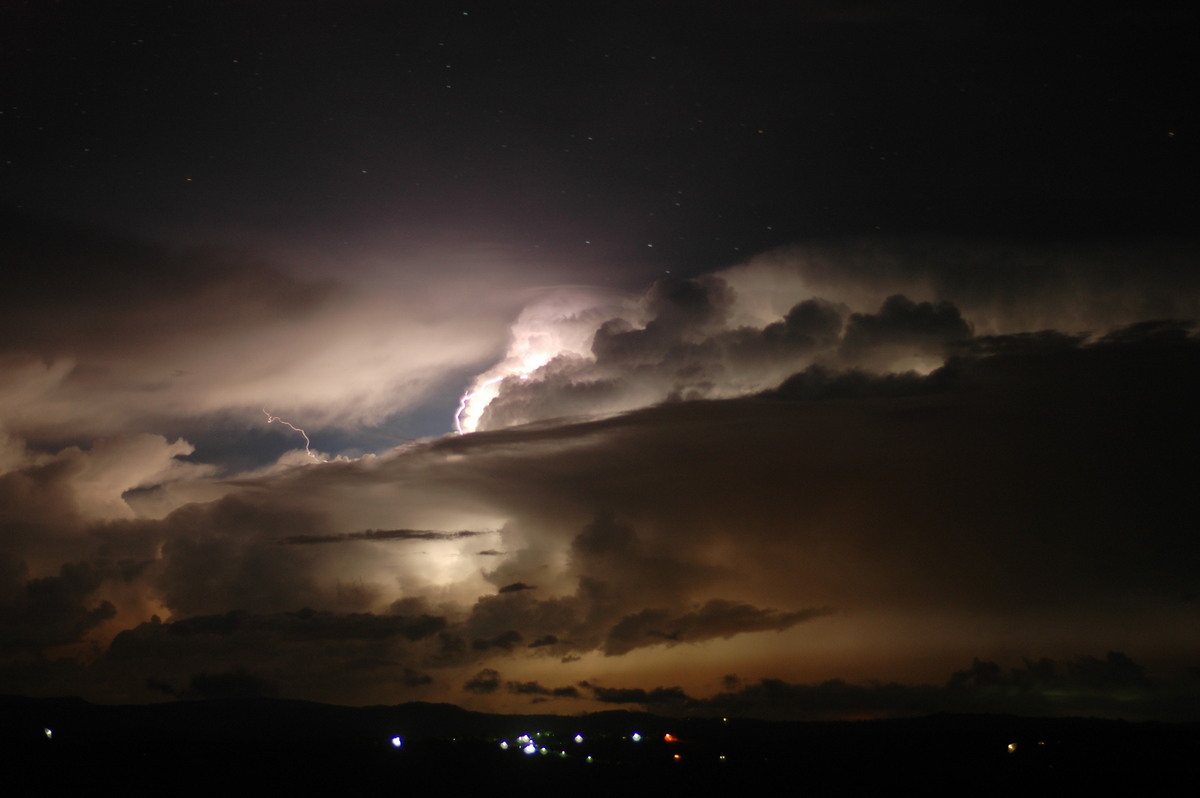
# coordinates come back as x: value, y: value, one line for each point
x: 787, y: 359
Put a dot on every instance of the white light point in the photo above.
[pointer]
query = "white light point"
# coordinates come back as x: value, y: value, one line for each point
x: 307, y: 443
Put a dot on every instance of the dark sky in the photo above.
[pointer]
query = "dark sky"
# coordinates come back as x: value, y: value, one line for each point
x: 688, y: 356
x: 711, y: 130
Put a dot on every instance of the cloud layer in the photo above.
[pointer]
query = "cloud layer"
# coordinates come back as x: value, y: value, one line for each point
x: 745, y: 329
x: 105, y: 337
x: 786, y: 470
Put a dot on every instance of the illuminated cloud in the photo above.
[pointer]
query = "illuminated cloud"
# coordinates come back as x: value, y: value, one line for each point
x: 746, y: 329
x: 859, y: 465
x: 107, y: 335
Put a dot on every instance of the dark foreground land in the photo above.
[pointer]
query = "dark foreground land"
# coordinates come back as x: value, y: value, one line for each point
x: 243, y: 746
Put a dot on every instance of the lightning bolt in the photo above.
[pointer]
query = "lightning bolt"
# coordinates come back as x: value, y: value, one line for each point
x: 466, y: 400
x: 307, y: 443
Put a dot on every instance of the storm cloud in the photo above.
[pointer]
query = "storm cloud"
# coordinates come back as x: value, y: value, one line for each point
x: 747, y: 328
x: 704, y: 477
x: 107, y: 334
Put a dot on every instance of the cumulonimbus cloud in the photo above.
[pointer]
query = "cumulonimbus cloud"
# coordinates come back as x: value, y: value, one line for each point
x: 871, y: 467
x: 745, y: 329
